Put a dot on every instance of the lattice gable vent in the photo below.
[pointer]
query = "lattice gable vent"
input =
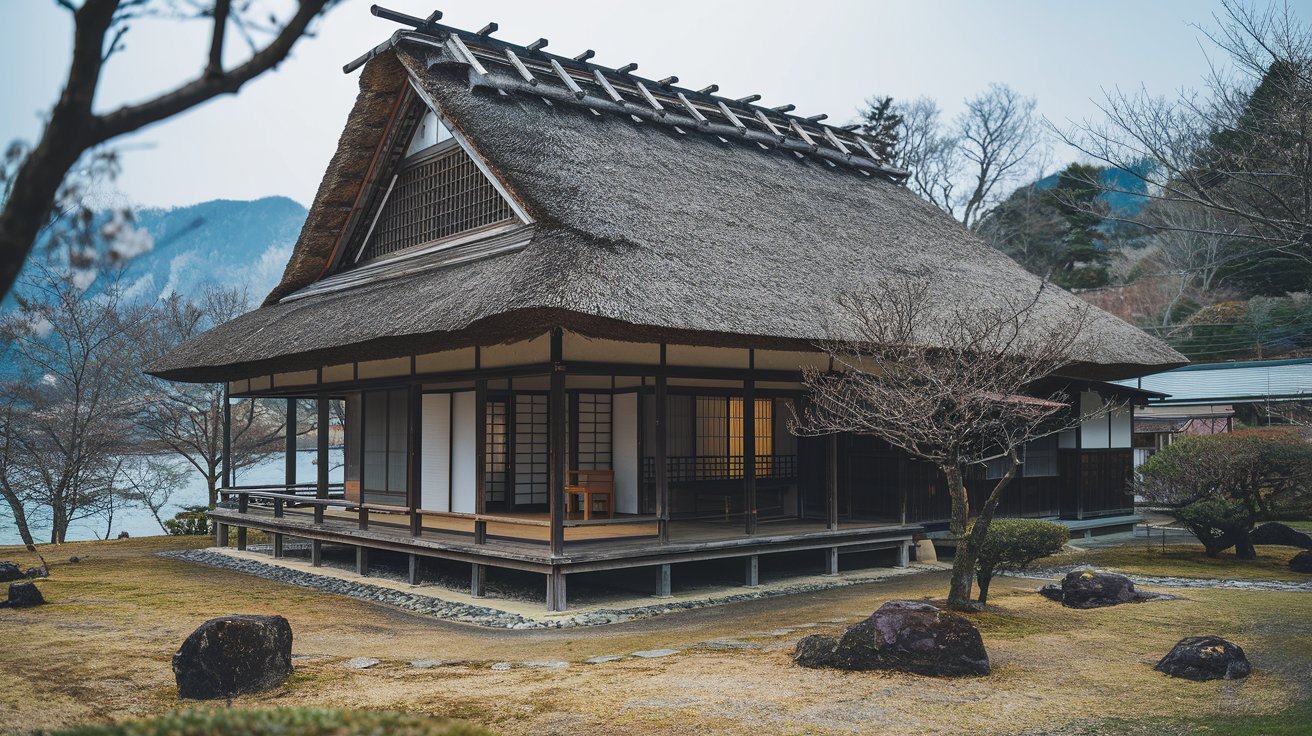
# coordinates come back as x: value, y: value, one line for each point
x: 436, y: 192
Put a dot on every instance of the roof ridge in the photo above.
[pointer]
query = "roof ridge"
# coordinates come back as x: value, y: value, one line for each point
x: 527, y: 68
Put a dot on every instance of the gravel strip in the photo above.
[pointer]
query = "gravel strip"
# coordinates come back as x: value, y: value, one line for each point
x: 1056, y: 573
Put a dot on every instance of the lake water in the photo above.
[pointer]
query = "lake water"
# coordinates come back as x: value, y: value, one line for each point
x: 140, y: 523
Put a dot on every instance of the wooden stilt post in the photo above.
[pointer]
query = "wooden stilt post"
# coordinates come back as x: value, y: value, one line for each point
x: 316, y: 553
x: 361, y: 560
x: 241, y: 537
x: 557, y: 443
x: 663, y: 581
x: 556, y: 599
x: 220, y: 534
x: 662, y: 484
x: 752, y: 577
x: 321, y: 452
x: 749, y: 454
x: 414, y: 569
x: 903, y: 554
x: 831, y: 561
x: 477, y: 580
x: 277, y: 545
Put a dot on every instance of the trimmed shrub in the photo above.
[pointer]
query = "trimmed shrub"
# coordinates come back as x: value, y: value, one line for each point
x: 1218, y: 524
x: 1014, y: 544
x: 191, y: 520
x: 281, y: 722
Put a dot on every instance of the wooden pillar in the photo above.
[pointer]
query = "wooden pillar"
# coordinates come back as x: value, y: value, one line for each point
x: 831, y: 561
x: 321, y: 452
x: 227, y: 438
x: 241, y: 537
x: 316, y: 553
x: 480, y: 445
x: 663, y: 581
x: 414, y: 575
x: 220, y: 534
x: 361, y: 560
x: 662, y: 483
x: 414, y: 480
x: 749, y: 455
x: 477, y: 580
x: 277, y: 545
x: 903, y: 554
x: 557, y: 444
x: 556, y: 590
x: 831, y: 480
x: 752, y: 577
x: 289, y: 452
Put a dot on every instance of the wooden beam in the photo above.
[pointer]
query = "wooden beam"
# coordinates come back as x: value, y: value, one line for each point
x: 557, y: 444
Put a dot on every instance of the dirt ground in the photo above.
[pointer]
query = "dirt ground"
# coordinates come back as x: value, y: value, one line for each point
x: 100, y: 651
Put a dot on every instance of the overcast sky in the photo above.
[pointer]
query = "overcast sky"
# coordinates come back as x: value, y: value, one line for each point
x: 823, y: 55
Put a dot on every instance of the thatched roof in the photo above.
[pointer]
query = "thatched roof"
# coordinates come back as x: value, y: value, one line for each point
x: 645, y: 227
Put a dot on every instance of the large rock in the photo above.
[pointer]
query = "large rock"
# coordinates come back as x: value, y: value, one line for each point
x: 1302, y: 562
x: 1092, y: 589
x: 24, y: 594
x: 906, y: 636
x: 816, y: 650
x: 10, y: 572
x: 234, y: 655
x: 1205, y: 658
x: 1274, y: 533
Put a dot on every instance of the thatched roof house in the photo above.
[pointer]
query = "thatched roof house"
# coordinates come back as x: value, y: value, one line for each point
x: 534, y: 281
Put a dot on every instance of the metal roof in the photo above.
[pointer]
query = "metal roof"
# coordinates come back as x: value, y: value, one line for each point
x: 1253, y: 381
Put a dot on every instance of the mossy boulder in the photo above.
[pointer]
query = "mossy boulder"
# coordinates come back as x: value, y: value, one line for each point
x: 234, y: 655
x: 1205, y: 658
x: 1093, y: 589
x: 905, y: 636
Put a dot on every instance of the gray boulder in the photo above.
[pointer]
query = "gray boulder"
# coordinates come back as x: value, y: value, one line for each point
x: 1205, y: 658
x: 1051, y: 591
x: 906, y: 636
x: 1092, y: 589
x: 33, y: 573
x: 1275, y: 533
x: 234, y: 655
x: 816, y: 650
x: 10, y: 572
x: 22, y: 595
x: 1302, y: 562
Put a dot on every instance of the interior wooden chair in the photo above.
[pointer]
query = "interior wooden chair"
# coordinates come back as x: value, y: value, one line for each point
x: 591, y: 486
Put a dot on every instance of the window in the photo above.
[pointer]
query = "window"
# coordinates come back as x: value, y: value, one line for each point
x: 593, y: 432
x: 530, y: 450
x: 497, y: 453
x: 996, y: 468
x: 1041, y: 457
x: 385, y: 445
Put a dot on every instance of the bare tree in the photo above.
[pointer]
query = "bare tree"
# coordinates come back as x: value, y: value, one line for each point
x: 1240, y: 147
x: 187, y: 419
x: 954, y: 387
x: 149, y: 483
x: 71, y: 406
x: 1190, y: 245
x: 966, y: 167
x: 34, y: 180
x: 12, y: 482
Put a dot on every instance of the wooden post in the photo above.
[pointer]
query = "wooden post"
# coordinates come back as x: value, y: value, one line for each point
x: 662, y: 484
x: 556, y: 590
x: 903, y: 554
x: 480, y: 445
x: 414, y: 481
x: 321, y: 479
x: 752, y: 577
x: 277, y: 545
x: 316, y: 553
x: 557, y: 444
x: 831, y: 480
x: 361, y: 560
x: 241, y: 537
x: 749, y: 454
x: 289, y: 458
x: 477, y: 580
x: 663, y: 582
x: 227, y: 438
x: 277, y: 508
x: 480, y: 531
x: 220, y: 534
x: 414, y: 569
x: 831, y: 561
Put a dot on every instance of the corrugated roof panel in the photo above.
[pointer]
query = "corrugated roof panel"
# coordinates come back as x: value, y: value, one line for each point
x: 1242, y: 382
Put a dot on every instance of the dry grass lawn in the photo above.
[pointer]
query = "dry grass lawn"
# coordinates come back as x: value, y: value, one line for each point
x: 100, y: 652
x: 1186, y: 560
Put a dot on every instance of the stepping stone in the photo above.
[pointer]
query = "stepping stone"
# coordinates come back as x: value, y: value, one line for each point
x: 729, y: 644
x: 781, y: 632
x: 501, y: 666
x: 654, y: 653
x: 548, y: 665
x: 360, y: 663
x: 604, y: 658
x: 423, y: 664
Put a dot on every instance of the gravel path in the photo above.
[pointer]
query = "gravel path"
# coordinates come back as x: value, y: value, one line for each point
x: 1053, y: 573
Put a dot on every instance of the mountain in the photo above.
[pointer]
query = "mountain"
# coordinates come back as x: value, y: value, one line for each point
x: 1129, y: 198
x: 221, y: 242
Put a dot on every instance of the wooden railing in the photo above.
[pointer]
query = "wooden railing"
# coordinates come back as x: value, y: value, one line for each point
x: 279, y: 499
